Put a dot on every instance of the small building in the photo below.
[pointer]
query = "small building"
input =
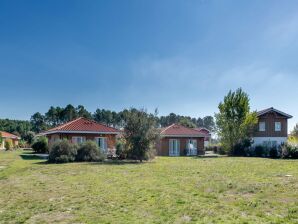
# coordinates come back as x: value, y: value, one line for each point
x: 81, y: 130
x: 206, y: 132
x: 272, y: 129
x: 5, y: 135
x: 177, y: 140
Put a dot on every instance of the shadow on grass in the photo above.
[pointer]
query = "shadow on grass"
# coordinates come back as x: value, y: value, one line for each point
x: 30, y: 156
x: 104, y: 163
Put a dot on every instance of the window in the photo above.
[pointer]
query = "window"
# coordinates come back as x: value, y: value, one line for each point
x: 78, y: 139
x: 277, y: 126
x: 174, y: 147
x: 262, y: 126
x: 102, y: 143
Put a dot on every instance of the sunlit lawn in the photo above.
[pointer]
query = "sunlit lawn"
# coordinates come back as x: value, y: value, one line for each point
x: 167, y: 190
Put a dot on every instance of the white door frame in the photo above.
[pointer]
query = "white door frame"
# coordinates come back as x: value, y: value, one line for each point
x: 174, y: 147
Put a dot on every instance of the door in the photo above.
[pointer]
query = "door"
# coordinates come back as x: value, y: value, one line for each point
x: 191, y: 147
x: 174, y: 147
x: 102, y: 143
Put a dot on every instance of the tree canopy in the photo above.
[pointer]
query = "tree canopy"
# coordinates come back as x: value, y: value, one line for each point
x: 234, y: 121
x: 59, y: 115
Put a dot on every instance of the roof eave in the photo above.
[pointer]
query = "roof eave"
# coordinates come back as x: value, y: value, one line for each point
x: 77, y: 132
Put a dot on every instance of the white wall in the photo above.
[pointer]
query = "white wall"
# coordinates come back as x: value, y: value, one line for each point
x: 261, y: 140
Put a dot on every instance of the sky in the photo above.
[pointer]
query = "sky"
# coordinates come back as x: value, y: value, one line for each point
x: 180, y: 56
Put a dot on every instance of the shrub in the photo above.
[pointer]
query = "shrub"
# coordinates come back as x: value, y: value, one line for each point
x: 274, y: 152
x: 89, y: 152
x: 23, y: 144
x: 63, y: 152
x: 241, y: 148
x: 289, y: 150
x: 217, y: 149
x: 260, y: 151
x: 41, y: 145
x: 8, y: 144
x: 120, y: 150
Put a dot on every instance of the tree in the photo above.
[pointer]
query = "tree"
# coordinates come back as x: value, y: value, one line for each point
x: 295, y: 131
x: 38, y: 122
x: 187, y: 123
x: 82, y: 112
x: 69, y: 113
x: 29, y: 137
x: 140, y: 133
x: 208, y: 122
x: 234, y: 121
x: 1, y: 139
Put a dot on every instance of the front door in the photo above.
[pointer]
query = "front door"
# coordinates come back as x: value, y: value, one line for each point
x: 174, y: 147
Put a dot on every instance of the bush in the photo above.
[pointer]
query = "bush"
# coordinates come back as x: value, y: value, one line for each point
x: 217, y: 149
x: 242, y: 148
x: 289, y: 150
x: 63, y: 152
x: 23, y: 144
x: 8, y: 144
x: 41, y: 145
x: 274, y: 152
x: 89, y: 152
x: 260, y: 151
x: 120, y: 150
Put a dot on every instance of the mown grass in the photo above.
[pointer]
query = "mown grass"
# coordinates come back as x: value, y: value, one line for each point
x: 167, y: 190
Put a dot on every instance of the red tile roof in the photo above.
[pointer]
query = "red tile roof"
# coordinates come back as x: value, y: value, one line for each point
x: 83, y: 125
x: 179, y: 130
x: 5, y: 134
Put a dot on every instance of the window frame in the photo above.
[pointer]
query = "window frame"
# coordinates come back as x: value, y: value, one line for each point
x: 275, y: 123
x: 99, y: 141
x: 263, y: 129
x: 74, y: 139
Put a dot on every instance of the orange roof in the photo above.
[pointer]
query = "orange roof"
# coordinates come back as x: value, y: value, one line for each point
x: 82, y: 125
x: 5, y: 134
x: 181, y: 131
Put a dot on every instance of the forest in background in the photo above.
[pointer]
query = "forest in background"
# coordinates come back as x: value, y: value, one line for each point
x: 59, y: 115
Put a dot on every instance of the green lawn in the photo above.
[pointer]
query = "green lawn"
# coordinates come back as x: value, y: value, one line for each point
x: 167, y: 190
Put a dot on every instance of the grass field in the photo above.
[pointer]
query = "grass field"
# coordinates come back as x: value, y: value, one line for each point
x: 167, y: 190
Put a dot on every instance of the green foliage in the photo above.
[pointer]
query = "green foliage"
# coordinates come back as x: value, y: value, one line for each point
x: 140, y: 134
x: 120, y: 149
x: 290, y: 150
x: 38, y: 122
x: 63, y: 152
x: 241, y: 148
x: 1, y: 139
x: 8, y: 144
x: 234, y: 121
x: 11, y: 126
x: 294, y: 132
x: 41, y: 145
x: 89, y: 152
x: 260, y: 151
x: 23, y: 144
x: 187, y: 123
x: 29, y: 137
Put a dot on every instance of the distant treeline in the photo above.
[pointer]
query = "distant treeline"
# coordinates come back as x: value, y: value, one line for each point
x: 59, y: 115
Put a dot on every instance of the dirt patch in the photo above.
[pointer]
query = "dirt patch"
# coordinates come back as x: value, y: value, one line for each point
x: 53, y: 217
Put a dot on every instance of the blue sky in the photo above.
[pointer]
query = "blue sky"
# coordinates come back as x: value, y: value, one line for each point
x: 180, y: 56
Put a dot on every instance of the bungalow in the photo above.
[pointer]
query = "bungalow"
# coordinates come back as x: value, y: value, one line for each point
x: 272, y: 129
x: 5, y: 135
x: 81, y: 130
x: 177, y: 140
x: 206, y: 132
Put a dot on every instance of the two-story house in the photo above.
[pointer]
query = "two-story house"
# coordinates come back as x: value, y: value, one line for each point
x: 272, y: 127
